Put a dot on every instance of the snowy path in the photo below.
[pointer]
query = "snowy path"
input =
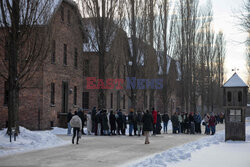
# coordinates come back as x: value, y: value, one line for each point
x: 205, y: 152
x: 99, y: 151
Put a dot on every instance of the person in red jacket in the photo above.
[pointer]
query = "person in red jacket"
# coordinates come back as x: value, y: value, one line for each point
x: 212, y: 123
x: 154, y: 114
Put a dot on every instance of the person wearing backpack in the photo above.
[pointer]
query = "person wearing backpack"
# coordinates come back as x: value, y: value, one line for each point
x: 76, y: 123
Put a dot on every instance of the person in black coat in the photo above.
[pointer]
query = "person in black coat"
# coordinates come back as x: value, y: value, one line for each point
x: 175, y: 123
x: 165, y: 119
x: 131, y: 120
x: 135, y: 123
x: 105, y: 126
x: 119, y: 122
x: 81, y: 115
x: 148, y: 121
x: 124, y: 122
x: 158, y: 123
x: 191, y: 123
x: 139, y: 122
x: 93, y: 115
x: 112, y: 123
x: 186, y: 123
x: 98, y: 123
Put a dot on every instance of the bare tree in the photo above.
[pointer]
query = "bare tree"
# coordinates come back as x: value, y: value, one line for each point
x: 166, y: 30
x: 104, y: 18
x: 188, y: 24
x: 136, y: 28
x: 25, y: 38
x: 245, y: 24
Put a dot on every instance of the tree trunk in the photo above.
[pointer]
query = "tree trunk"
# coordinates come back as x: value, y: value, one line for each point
x: 13, y: 102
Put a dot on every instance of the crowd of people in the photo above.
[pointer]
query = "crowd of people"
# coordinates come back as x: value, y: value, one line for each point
x: 101, y: 122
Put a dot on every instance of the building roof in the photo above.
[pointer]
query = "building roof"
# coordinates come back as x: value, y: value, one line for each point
x: 43, y: 11
x: 160, y: 60
x: 235, y: 81
x: 91, y: 32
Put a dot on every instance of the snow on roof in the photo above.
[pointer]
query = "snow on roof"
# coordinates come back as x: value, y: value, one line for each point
x: 140, y: 52
x: 160, y: 61
x: 178, y: 67
x: 92, y: 43
x: 235, y: 81
x: 39, y: 11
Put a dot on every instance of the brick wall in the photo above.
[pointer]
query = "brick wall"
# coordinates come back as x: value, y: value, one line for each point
x: 35, y: 109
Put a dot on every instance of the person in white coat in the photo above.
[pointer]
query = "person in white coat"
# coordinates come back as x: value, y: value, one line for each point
x: 76, y: 124
x: 89, y: 123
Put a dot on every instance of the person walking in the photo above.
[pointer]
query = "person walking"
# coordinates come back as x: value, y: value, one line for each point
x: 148, y: 121
x: 89, y: 123
x: 69, y: 116
x: 76, y: 123
x: 165, y: 119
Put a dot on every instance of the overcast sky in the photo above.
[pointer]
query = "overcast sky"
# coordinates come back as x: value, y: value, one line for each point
x: 224, y: 19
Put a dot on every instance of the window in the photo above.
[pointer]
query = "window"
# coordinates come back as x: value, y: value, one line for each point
x: 75, y: 58
x: 69, y: 17
x: 239, y: 96
x: 86, y: 68
x: 52, y: 94
x: 235, y: 115
x: 75, y: 95
x: 6, y: 93
x: 229, y: 96
x: 53, y: 54
x: 65, y: 96
x: 85, y: 100
x: 111, y: 100
x: 124, y: 101
x: 65, y: 54
x: 62, y: 13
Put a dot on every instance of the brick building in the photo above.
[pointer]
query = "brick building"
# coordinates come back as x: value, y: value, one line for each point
x: 57, y: 87
x: 115, y: 61
x: 60, y: 85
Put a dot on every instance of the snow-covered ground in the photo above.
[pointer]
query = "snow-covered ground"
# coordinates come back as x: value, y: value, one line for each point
x: 30, y: 140
x: 35, y: 140
x: 208, y: 151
